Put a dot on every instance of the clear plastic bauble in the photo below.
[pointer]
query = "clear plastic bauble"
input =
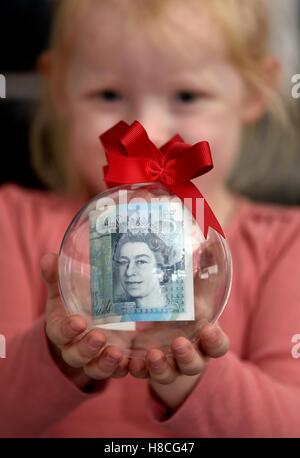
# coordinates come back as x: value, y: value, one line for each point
x: 135, y: 264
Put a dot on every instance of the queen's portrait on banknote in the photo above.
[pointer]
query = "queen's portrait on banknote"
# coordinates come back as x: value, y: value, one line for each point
x: 142, y: 272
x: 142, y: 267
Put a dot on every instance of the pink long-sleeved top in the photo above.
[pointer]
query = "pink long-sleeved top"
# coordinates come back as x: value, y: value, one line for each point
x: 253, y: 391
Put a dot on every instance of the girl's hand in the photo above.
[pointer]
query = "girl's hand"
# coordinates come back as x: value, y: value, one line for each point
x: 84, y: 355
x: 81, y: 354
x: 174, y: 376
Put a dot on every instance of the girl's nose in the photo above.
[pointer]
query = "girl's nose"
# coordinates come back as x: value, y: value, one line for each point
x: 155, y: 137
x: 156, y: 123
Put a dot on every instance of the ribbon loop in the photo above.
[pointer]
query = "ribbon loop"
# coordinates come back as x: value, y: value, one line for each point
x: 133, y: 158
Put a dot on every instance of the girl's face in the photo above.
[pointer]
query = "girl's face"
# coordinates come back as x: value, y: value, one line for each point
x: 114, y: 74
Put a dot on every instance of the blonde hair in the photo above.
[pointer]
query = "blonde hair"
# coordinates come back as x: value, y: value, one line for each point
x: 244, y: 25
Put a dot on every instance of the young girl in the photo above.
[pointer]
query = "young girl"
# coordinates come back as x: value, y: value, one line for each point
x: 199, y: 68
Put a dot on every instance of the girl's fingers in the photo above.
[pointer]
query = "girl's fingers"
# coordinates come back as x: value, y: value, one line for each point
x: 64, y: 331
x: 49, y: 271
x: 104, y: 366
x: 159, y: 368
x: 213, y: 342
x: 137, y: 368
x: 82, y: 352
x: 79, y: 349
x: 189, y: 360
x: 60, y: 328
x: 122, y: 368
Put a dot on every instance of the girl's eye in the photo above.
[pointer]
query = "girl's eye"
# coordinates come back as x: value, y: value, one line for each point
x: 122, y: 263
x: 109, y: 95
x: 187, y: 96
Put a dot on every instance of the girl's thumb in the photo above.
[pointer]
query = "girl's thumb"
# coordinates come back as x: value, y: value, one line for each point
x: 49, y: 271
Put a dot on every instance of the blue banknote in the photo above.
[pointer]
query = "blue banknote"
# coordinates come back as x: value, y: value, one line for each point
x: 141, y: 264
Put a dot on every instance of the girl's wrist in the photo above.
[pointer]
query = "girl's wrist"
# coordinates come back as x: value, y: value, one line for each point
x: 76, y: 375
x: 174, y: 394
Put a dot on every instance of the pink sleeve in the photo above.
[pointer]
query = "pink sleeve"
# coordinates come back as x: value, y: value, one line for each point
x: 258, y: 396
x: 34, y: 394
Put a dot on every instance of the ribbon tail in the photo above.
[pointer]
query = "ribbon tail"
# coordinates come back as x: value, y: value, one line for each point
x: 189, y: 194
x: 210, y: 220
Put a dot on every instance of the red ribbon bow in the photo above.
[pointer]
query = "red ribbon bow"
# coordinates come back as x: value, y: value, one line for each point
x: 133, y: 158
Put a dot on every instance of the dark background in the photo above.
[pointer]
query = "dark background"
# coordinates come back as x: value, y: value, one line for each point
x: 24, y: 34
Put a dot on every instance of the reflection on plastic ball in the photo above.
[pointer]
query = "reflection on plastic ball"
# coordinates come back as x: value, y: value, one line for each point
x: 135, y: 264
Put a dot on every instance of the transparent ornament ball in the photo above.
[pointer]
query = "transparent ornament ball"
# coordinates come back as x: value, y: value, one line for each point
x: 135, y: 264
